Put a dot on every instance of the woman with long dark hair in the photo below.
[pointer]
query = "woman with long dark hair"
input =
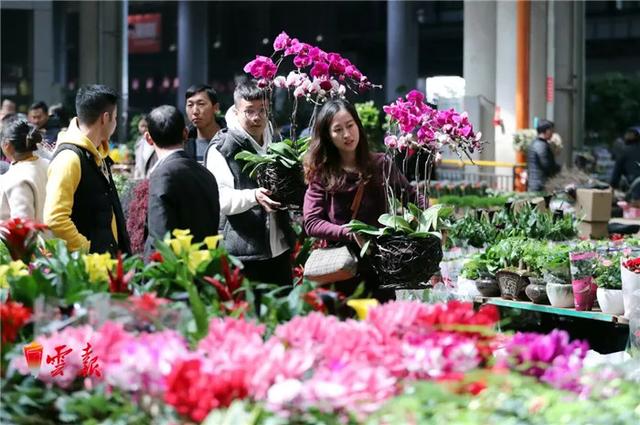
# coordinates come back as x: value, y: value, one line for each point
x: 337, y: 163
x: 22, y: 187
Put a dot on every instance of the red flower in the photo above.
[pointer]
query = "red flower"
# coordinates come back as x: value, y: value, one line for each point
x: 156, y: 257
x: 137, y: 216
x: 616, y: 237
x: 476, y: 387
x: 633, y: 265
x: 13, y: 316
x: 195, y: 393
x: 19, y: 234
x: 298, y: 275
x: 233, y: 281
x: 147, y: 304
x: 120, y: 281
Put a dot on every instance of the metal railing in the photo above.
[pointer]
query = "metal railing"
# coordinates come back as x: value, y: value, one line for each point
x: 496, y: 174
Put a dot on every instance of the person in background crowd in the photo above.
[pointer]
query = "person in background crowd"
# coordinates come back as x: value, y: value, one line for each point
x: 182, y: 193
x: 337, y: 163
x: 23, y: 186
x: 8, y: 108
x: 4, y: 161
x: 82, y: 205
x: 145, y: 155
x: 255, y: 229
x: 627, y: 164
x: 541, y: 164
x: 201, y: 106
x: 59, y: 116
x: 39, y: 116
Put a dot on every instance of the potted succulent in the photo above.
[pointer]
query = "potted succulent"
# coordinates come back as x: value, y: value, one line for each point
x: 407, y: 249
x: 630, y: 276
x: 280, y: 170
x: 609, y: 283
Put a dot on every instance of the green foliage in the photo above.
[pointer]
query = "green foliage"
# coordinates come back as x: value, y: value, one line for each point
x: 612, y: 104
x: 473, y: 201
x: 607, y: 272
x: 134, y: 134
x: 471, y: 231
x: 370, y: 116
x: 523, y: 138
x: 287, y: 153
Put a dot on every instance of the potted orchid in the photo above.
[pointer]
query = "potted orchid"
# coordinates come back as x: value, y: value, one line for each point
x: 317, y: 76
x: 416, y: 129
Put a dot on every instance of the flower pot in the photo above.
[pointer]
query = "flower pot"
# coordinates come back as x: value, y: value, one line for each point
x: 630, y: 284
x: 560, y: 294
x: 286, y: 184
x: 404, y: 262
x: 521, y: 157
x: 512, y: 285
x: 584, y: 287
x: 584, y: 293
x: 537, y: 291
x: 610, y: 300
x: 488, y: 286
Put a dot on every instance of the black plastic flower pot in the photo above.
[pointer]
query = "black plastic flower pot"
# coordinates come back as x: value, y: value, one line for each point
x: 404, y: 262
x: 286, y: 184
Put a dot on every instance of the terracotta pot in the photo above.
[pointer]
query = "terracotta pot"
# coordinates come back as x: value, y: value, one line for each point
x: 560, y: 294
x: 512, y: 285
x: 488, y: 286
x: 610, y: 301
x: 537, y: 291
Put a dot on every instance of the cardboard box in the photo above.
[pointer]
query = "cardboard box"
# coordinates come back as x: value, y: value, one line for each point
x: 535, y: 203
x: 593, y: 230
x: 594, y: 205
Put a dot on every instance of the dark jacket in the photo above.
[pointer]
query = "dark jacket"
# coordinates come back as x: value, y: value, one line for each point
x: 94, y: 201
x: 182, y: 195
x: 246, y: 235
x: 627, y: 164
x: 541, y: 165
x: 190, y: 147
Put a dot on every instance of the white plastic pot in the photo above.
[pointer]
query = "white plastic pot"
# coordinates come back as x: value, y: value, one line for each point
x: 630, y: 284
x: 610, y: 301
x: 560, y: 294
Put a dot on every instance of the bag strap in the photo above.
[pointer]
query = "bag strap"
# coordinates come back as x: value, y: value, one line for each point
x: 355, y: 205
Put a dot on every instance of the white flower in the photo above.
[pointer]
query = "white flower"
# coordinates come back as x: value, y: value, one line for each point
x: 284, y: 392
x: 280, y: 82
x: 299, y: 91
x: 342, y: 90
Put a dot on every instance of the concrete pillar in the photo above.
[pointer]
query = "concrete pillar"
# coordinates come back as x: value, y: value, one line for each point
x: 193, y: 45
x: 402, y: 49
x: 100, y: 43
x: 479, y: 69
x: 43, y: 53
x: 505, y: 80
x: 538, y: 62
x: 569, y: 72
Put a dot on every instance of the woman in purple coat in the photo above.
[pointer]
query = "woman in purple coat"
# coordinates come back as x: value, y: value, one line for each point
x: 337, y: 162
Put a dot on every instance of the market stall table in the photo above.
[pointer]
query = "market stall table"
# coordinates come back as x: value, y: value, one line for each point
x: 606, y: 333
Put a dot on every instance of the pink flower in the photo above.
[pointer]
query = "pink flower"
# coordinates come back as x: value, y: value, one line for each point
x: 280, y: 82
x: 391, y: 142
x: 281, y: 42
x: 316, y: 54
x: 261, y: 67
x: 295, y: 47
x: 320, y: 69
x: 302, y: 60
x: 415, y: 96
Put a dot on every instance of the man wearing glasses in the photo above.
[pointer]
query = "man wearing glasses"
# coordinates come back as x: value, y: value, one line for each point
x: 255, y: 228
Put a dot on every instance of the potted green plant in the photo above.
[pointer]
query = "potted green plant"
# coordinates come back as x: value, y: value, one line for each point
x: 407, y: 249
x: 280, y: 170
x: 482, y: 270
x: 609, y: 292
x: 513, y: 278
x: 554, y: 264
x: 536, y: 291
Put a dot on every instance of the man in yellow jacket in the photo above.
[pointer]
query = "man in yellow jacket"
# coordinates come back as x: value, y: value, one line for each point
x: 82, y: 205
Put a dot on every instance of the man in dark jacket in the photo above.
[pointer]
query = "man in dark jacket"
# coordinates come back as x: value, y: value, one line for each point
x: 201, y: 107
x: 182, y: 193
x: 628, y: 162
x: 540, y: 160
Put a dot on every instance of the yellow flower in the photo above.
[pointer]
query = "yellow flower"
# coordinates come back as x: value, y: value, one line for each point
x: 196, y: 258
x: 362, y: 306
x: 212, y: 241
x: 182, y: 241
x: 115, y: 155
x: 13, y: 269
x: 97, y: 266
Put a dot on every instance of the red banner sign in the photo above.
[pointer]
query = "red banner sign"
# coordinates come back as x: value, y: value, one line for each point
x: 145, y: 33
x: 550, y: 89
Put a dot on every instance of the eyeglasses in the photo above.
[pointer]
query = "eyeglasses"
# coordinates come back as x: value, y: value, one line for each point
x: 250, y: 113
